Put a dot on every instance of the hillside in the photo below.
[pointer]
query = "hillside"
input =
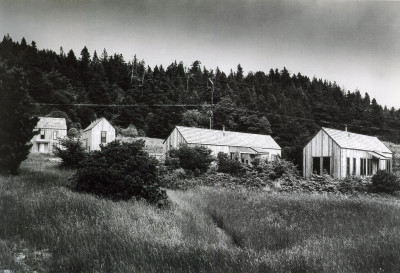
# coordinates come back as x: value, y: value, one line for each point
x: 291, y: 107
x: 45, y: 227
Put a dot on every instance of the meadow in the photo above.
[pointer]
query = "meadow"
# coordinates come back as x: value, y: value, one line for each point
x: 48, y: 228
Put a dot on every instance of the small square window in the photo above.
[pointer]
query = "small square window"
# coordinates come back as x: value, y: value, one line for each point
x: 55, y: 135
x: 42, y: 134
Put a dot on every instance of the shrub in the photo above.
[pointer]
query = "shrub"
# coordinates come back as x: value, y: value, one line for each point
x: 172, y: 163
x: 71, y: 152
x: 276, y: 169
x: 227, y: 165
x: 195, y: 159
x: 386, y: 182
x: 121, y: 171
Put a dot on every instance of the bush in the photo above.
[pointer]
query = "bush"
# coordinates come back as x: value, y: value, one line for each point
x: 172, y: 163
x: 385, y: 182
x: 227, y: 165
x: 277, y: 169
x: 121, y: 171
x: 195, y: 159
x: 71, y: 152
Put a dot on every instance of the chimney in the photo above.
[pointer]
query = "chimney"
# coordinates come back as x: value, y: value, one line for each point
x: 223, y: 129
x: 345, y: 127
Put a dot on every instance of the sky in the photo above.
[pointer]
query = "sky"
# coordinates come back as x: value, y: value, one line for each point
x: 354, y: 43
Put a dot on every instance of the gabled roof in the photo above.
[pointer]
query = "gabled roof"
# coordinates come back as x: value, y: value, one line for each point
x: 226, y: 138
x: 356, y: 141
x: 94, y: 123
x: 51, y: 123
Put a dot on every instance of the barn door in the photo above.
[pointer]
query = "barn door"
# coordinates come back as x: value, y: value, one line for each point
x: 316, y: 165
x: 326, y: 165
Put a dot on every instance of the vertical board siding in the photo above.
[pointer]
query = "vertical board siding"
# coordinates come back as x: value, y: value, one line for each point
x: 48, y: 140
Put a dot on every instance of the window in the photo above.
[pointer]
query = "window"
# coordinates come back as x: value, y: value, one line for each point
x: 326, y: 165
x: 354, y: 166
x: 42, y: 134
x: 348, y: 166
x: 388, y: 165
x: 369, y: 166
x: 242, y: 160
x: 103, y: 137
x: 363, y: 165
x: 316, y: 165
x: 55, y: 135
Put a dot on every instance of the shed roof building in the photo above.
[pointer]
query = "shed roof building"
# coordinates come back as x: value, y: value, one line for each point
x: 342, y: 153
x: 241, y: 146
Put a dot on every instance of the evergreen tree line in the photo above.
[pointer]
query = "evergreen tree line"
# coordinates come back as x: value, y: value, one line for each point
x: 291, y: 108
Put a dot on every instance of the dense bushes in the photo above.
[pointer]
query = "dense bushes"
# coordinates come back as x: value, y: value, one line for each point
x: 194, y: 159
x: 121, y: 171
x: 71, y: 152
x: 227, y: 165
x: 385, y: 182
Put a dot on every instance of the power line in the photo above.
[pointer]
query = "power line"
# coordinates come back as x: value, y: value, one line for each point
x: 207, y: 105
x: 118, y: 105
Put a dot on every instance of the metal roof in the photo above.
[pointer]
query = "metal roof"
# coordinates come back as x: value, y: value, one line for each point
x: 356, y: 141
x: 51, y: 123
x: 226, y: 138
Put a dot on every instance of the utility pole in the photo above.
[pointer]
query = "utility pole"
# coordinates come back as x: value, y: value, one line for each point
x: 212, y: 103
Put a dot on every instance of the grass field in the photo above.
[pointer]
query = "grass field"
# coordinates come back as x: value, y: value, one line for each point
x: 46, y: 227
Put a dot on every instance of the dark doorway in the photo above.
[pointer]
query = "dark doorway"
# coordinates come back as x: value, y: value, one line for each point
x: 316, y: 165
x: 326, y: 165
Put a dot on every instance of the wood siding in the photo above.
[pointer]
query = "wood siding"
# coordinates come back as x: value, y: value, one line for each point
x: 92, y: 138
x: 46, y: 145
x: 173, y: 141
x: 323, y: 146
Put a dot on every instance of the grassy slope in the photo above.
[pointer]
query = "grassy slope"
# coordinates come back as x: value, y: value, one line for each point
x: 61, y: 231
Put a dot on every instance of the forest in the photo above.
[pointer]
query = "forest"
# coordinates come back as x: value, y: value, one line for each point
x: 290, y: 107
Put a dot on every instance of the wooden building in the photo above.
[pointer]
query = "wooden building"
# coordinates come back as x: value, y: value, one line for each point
x: 98, y: 132
x: 341, y: 154
x: 244, y: 147
x: 50, y: 131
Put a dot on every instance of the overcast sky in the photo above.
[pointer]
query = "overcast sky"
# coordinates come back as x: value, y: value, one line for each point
x: 355, y: 43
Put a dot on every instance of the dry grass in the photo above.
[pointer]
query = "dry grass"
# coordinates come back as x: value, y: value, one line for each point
x: 48, y: 228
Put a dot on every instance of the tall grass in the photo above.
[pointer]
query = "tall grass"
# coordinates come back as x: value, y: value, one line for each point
x: 205, y: 230
x: 83, y: 233
x: 298, y: 232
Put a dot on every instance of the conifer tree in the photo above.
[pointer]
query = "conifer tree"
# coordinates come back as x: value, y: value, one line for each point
x: 16, y: 121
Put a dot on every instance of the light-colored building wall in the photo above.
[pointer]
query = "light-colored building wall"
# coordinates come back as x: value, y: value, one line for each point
x: 175, y: 139
x: 51, y: 138
x: 92, y: 137
x: 322, y: 145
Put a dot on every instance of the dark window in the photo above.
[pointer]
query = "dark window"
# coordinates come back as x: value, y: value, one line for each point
x: 354, y: 166
x: 247, y: 162
x: 363, y: 163
x: 42, y: 134
x: 326, y: 164
x: 369, y: 166
x: 55, y: 135
x: 388, y: 165
x: 103, y: 136
x: 348, y: 166
x: 316, y: 165
x: 242, y: 160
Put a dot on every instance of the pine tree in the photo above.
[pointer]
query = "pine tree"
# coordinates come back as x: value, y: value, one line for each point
x: 16, y: 121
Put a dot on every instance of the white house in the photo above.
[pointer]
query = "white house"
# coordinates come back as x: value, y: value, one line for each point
x: 98, y: 132
x: 240, y: 146
x: 341, y: 154
x: 50, y: 131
